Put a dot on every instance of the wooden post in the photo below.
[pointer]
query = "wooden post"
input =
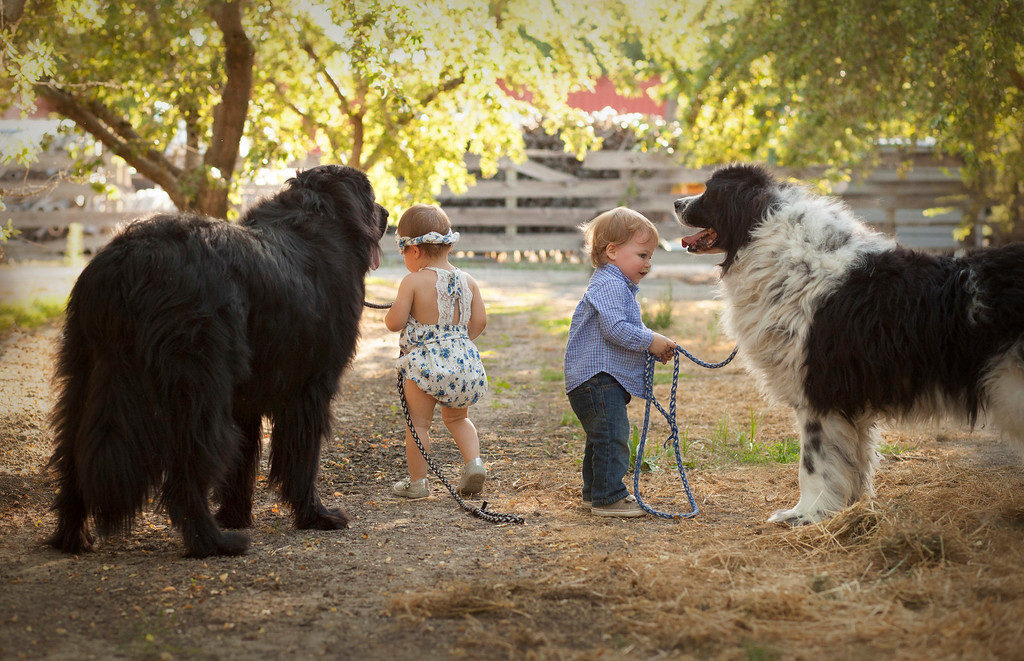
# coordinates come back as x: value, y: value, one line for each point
x: 510, y: 201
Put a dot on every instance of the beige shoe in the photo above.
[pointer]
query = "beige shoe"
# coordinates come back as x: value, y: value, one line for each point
x: 473, y: 475
x: 624, y: 508
x: 406, y: 488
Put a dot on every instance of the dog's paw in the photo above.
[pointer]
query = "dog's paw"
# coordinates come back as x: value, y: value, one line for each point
x: 231, y: 518
x: 795, y: 517
x: 72, y: 542
x: 324, y: 519
x: 224, y: 543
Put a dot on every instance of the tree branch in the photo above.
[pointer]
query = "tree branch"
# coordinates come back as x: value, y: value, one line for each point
x: 79, y: 112
x: 358, y: 138
x: 285, y: 98
x: 346, y: 107
x: 122, y: 128
x: 191, y: 116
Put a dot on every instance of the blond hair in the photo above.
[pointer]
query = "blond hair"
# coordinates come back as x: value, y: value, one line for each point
x: 616, y: 226
x: 420, y: 219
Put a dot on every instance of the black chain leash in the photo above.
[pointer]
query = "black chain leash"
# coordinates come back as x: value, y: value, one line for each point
x: 480, y: 512
x: 377, y: 306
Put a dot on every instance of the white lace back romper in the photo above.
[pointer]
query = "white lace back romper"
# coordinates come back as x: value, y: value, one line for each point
x: 440, y: 358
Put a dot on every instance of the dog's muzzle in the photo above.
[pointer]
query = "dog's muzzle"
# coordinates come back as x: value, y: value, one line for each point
x: 681, y: 204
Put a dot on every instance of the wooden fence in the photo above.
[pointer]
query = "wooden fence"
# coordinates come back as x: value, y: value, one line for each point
x: 538, y: 204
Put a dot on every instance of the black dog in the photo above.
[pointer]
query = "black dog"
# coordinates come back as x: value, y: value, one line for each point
x: 183, y: 333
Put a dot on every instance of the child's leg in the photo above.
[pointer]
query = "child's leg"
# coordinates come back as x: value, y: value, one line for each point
x: 600, y: 404
x: 421, y: 410
x: 463, y: 431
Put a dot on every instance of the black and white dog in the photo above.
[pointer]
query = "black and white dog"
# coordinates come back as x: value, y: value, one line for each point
x: 848, y: 327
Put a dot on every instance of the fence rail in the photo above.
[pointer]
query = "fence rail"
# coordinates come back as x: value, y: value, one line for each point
x: 539, y: 203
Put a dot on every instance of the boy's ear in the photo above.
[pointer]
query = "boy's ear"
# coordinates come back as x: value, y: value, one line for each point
x: 610, y: 250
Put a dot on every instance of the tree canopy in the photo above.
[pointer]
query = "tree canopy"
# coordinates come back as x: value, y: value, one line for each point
x: 194, y: 93
x: 197, y: 94
x: 814, y: 82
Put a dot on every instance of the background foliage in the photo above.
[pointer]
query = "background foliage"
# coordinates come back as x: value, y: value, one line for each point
x: 197, y: 94
x: 816, y: 82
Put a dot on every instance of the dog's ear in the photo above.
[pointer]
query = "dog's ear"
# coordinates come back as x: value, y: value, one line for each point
x: 343, y: 192
x: 746, y: 194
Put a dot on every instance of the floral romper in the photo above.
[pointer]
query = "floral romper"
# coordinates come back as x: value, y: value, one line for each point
x: 440, y: 358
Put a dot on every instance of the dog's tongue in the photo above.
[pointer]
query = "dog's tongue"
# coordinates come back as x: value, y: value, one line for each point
x: 690, y: 242
x: 374, y: 257
x: 702, y: 240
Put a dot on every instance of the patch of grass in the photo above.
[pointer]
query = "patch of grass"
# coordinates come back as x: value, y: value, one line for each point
x: 504, y: 341
x: 656, y: 456
x: 529, y: 308
x: 498, y: 386
x: 743, y: 446
x: 750, y: 450
x: 895, y: 449
x: 786, y: 451
x: 569, y: 419
x: 30, y: 314
x: 660, y: 317
x: 551, y: 374
x: 757, y: 652
x: 558, y: 326
x: 664, y: 377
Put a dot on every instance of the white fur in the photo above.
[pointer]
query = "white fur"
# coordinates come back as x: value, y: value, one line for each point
x: 1004, y: 386
x: 793, y: 236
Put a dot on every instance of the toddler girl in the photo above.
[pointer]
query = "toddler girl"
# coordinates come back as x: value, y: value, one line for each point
x: 439, y: 311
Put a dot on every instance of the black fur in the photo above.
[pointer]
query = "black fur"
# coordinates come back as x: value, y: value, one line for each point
x: 906, y: 324
x: 183, y: 333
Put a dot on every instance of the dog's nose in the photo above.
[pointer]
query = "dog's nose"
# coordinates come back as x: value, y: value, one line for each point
x: 683, y: 202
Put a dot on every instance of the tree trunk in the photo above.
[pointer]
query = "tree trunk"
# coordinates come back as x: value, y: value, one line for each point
x: 229, y: 115
x: 12, y: 11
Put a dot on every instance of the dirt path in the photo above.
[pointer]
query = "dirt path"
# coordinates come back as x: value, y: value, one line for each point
x: 934, y: 566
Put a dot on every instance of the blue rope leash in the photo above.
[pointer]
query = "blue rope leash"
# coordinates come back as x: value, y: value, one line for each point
x: 670, y: 418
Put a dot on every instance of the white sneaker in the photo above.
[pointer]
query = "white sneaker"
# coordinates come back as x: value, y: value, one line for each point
x: 406, y: 488
x: 473, y: 475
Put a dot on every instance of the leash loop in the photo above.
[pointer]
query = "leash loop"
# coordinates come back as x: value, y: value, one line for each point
x: 670, y: 418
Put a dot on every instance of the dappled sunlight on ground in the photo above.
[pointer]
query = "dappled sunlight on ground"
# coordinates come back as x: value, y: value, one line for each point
x: 932, y: 567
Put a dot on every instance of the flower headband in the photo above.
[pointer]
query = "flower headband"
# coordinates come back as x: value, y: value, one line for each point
x: 430, y: 237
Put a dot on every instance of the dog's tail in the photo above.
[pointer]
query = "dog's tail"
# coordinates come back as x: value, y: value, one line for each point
x: 108, y: 454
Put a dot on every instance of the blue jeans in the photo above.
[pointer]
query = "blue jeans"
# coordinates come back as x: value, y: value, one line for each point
x: 600, y: 404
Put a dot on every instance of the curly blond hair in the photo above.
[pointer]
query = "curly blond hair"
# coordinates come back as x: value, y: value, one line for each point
x: 615, y: 226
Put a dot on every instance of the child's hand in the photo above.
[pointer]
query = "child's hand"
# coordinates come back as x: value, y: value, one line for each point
x: 662, y: 348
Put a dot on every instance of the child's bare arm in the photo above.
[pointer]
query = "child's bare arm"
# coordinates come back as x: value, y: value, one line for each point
x: 398, y: 314
x: 477, y: 312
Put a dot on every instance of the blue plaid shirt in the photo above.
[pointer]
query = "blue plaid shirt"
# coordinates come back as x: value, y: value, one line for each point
x: 607, y: 334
